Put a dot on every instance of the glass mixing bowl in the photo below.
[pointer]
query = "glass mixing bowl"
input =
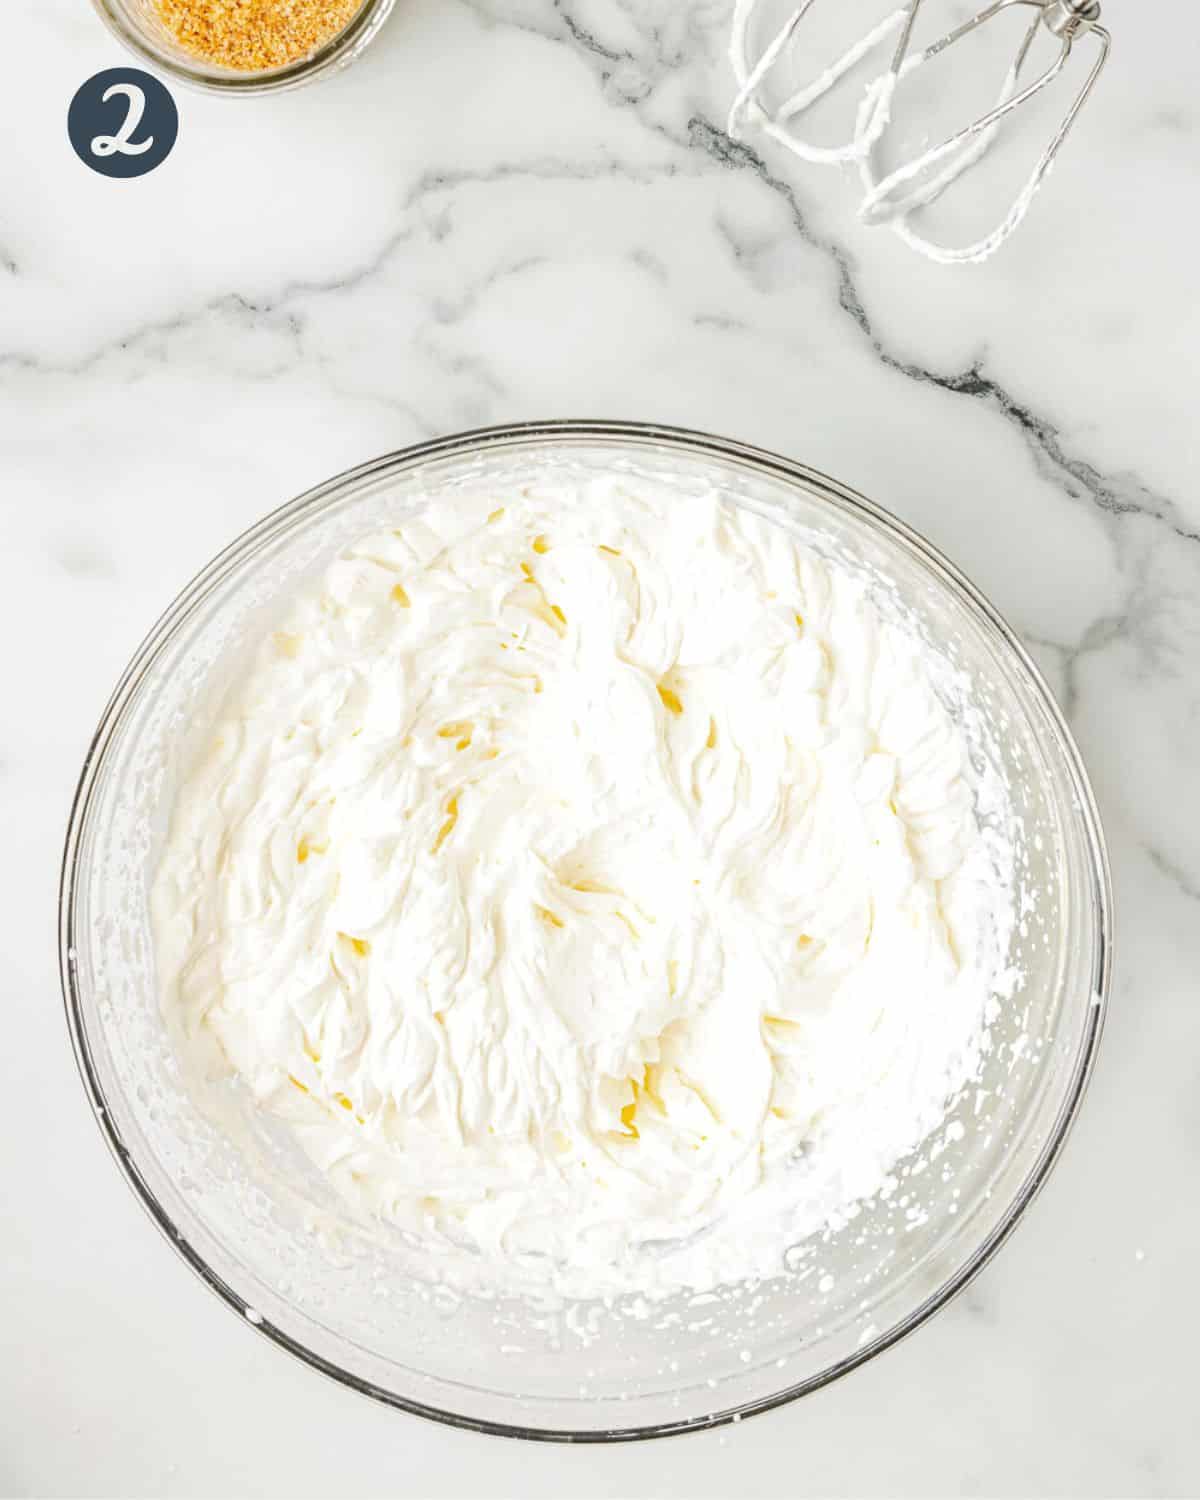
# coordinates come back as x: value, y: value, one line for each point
x: 354, y: 1307
x: 137, y: 24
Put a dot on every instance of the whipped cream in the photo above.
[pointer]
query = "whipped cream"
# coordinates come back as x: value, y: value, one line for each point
x: 591, y: 880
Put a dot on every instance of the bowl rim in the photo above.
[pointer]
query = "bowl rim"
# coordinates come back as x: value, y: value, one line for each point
x: 331, y: 55
x: 478, y: 441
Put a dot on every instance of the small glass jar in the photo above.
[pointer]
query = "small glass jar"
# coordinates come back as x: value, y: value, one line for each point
x: 136, y: 23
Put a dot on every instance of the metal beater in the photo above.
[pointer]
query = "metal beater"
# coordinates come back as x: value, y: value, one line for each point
x: 919, y: 181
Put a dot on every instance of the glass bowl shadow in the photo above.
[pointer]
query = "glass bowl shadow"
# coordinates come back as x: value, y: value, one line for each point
x: 357, y: 1309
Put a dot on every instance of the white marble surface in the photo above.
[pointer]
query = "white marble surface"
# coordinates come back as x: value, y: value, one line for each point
x: 527, y: 208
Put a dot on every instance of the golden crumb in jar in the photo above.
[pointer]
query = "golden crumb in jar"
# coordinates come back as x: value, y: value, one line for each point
x: 251, y: 35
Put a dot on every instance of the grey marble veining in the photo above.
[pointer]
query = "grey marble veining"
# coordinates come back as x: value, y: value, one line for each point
x: 517, y: 209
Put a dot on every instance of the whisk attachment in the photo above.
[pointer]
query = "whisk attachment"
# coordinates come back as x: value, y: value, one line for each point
x: 882, y: 201
x: 890, y: 199
x: 777, y: 124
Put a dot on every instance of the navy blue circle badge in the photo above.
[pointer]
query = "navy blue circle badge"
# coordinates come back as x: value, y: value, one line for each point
x: 122, y: 123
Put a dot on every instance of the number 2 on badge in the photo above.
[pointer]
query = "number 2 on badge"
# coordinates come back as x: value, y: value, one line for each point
x: 122, y: 141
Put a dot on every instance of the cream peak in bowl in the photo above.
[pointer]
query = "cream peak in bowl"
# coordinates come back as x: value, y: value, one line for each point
x: 582, y: 870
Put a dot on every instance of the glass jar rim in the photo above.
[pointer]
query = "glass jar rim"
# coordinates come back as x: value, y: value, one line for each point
x: 195, y: 73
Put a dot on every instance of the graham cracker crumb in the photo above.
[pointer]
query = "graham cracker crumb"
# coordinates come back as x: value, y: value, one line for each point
x: 251, y: 35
